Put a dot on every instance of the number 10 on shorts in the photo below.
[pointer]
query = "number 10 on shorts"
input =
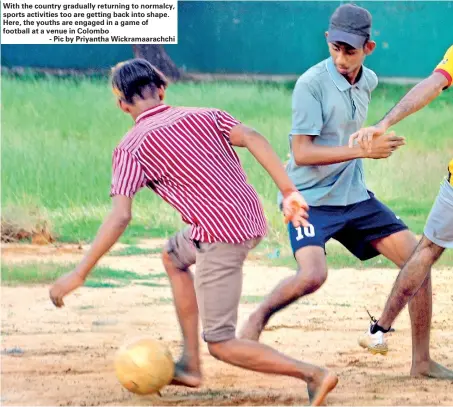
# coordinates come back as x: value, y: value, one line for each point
x: 307, y: 231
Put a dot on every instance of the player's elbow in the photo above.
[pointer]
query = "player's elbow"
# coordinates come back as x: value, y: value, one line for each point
x: 303, y: 151
x: 122, y: 219
x: 126, y: 218
x: 299, y: 161
x: 302, y: 159
x: 121, y: 213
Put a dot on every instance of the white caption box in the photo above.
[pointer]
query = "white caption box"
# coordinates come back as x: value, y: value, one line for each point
x: 89, y: 22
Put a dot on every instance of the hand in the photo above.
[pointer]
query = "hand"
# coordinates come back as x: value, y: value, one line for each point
x: 383, y: 146
x: 63, y: 286
x: 295, y: 209
x: 365, y: 136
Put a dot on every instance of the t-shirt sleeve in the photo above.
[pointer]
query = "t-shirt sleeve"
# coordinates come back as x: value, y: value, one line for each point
x: 128, y: 176
x: 445, y: 67
x: 225, y: 122
x: 306, y: 111
x: 374, y: 81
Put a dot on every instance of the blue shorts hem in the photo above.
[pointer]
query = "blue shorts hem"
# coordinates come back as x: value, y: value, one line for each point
x: 386, y: 233
x: 309, y: 245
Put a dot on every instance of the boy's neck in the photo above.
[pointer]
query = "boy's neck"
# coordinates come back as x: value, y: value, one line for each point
x: 144, y: 105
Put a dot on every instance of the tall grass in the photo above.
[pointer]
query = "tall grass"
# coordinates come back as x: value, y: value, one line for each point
x: 58, y: 137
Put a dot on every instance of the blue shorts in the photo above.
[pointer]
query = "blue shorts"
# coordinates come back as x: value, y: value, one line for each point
x: 354, y: 226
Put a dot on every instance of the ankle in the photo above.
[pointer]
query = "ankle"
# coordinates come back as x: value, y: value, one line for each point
x: 312, y: 376
x: 379, y: 328
x: 190, y: 364
x: 418, y: 362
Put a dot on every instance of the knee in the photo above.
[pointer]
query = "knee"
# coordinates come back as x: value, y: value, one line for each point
x: 308, y: 283
x: 428, y: 253
x: 167, y: 262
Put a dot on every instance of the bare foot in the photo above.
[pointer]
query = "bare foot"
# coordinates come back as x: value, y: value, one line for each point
x: 320, y: 387
x: 184, y: 377
x: 252, y: 329
x: 432, y: 370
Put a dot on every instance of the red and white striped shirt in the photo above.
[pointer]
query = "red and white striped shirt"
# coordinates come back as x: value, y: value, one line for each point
x: 185, y: 156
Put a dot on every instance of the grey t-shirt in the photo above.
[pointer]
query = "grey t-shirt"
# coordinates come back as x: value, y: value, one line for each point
x: 327, y: 106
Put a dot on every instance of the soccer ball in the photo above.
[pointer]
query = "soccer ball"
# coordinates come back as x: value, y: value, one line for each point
x: 144, y: 366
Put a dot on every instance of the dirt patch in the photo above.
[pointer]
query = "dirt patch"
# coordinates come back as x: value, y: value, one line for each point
x: 65, y: 356
x: 31, y: 224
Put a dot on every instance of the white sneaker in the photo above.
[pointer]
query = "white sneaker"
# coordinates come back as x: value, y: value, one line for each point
x: 374, y: 343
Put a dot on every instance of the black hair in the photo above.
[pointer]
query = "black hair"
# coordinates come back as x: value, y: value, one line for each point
x: 136, y: 78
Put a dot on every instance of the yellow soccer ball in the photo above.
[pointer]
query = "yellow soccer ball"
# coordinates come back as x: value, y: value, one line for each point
x: 144, y: 366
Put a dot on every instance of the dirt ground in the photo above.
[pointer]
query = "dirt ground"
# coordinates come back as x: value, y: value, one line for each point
x: 63, y: 357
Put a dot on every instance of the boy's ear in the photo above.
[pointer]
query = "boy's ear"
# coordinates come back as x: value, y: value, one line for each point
x: 369, y: 47
x: 161, y: 93
x: 123, y: 105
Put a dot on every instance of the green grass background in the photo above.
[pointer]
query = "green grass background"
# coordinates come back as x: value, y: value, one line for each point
x: 58, y: 136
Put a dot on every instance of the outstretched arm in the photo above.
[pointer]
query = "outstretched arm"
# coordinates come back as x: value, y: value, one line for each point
x: 110, y: 231
x: 417, y: 98
x: 127, y: 179
x: 306, y: 152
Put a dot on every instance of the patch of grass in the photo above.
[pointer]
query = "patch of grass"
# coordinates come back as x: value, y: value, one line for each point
x: 46, y: 273
x: 134, y: 251
x: 64, y: 145
x: 251, y: 299
x: 101, y: 284
x: 165, y: 300
x: 158, y: 275
x: 32, y: 273
x: 151, y: 284
x: 102, y: 273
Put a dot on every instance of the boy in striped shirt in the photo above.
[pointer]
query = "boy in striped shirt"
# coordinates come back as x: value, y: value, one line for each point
x: 186, y: 156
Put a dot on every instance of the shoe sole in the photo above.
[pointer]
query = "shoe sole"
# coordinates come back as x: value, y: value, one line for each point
x: 374, y: 350
x: 377, y: 351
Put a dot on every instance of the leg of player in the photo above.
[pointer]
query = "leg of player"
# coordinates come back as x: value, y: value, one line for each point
x: 410, y: 279
x: 218, y: 284
x: 438, y: 235
x: 398, y: 248
x: 258, y: 357
x: 177, y: 256
x: 312, y: 272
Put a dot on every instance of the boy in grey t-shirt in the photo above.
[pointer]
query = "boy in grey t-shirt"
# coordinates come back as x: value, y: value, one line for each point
x: 330, y: 102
